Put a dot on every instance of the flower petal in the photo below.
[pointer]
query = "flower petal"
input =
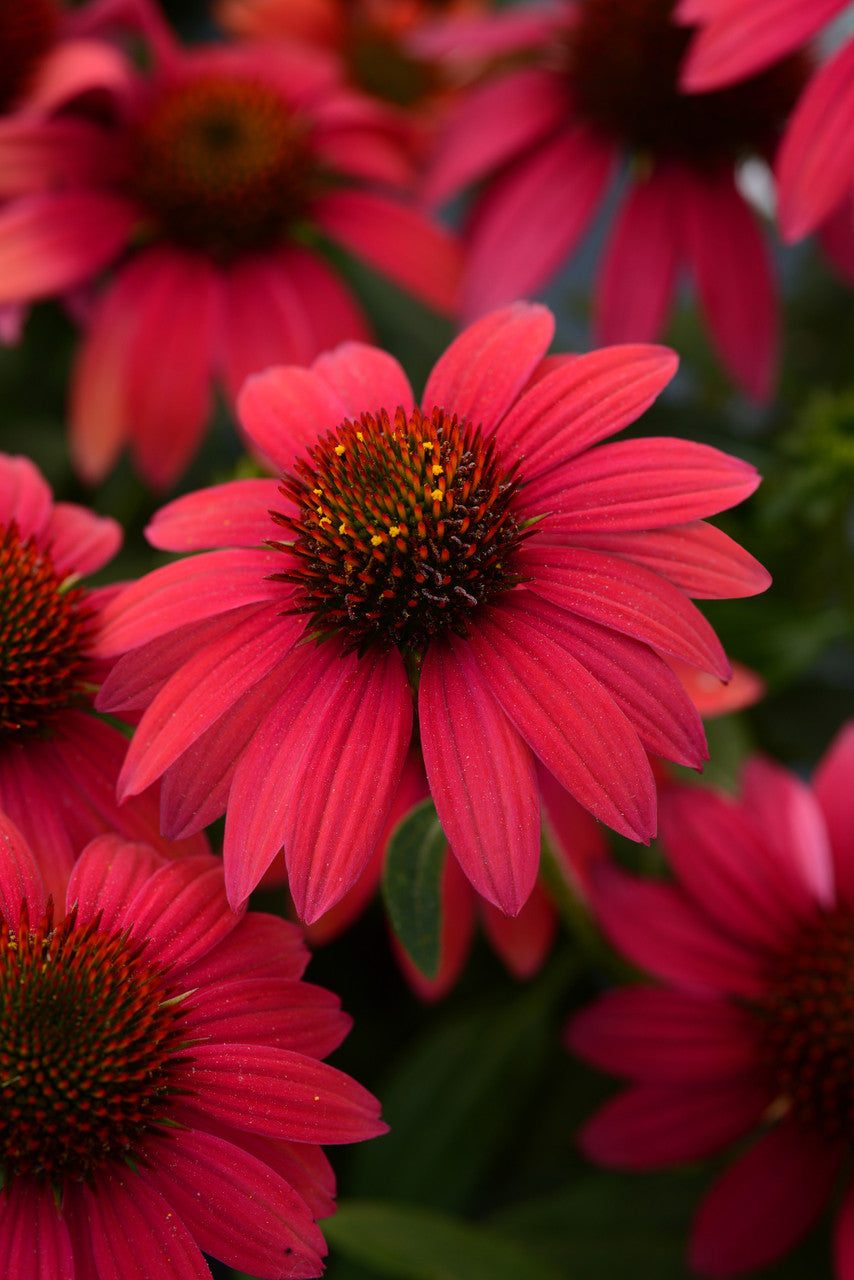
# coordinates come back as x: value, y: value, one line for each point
x: 285, y: 410
x: 764, y: 1202
x: 744, y: 38
x: 789, y: 816
x: 34, y: 1240
x: 834, y: 792
x: 234, y: 514
x: 107, y: 876
x: 20, y: 881
x: 182, y: 911
x: 135, y: 1233
x: 566, y: 716
x: 366, y: 379
x: 25, y: 495
x: 482, y: 777
x: 80, y: 541
x: 259, y: 947
x: 274, y: 1011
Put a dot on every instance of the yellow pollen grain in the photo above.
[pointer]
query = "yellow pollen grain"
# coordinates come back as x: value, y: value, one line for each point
x: 324, y: 520
x: 376, y: 540
x: 436, y: 469
x: 394, y: 530
x: 436, y: 495
x: 428, y: 446
x: 342, y: 528
x: 359, y: 435
x: 339, y: 449
x: 319, y: 492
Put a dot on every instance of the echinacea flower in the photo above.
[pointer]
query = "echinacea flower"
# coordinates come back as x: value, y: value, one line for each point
x: 479, y: 566
x: 749, y: 1031
x: 207, y: 194
x: 160, y: 1075
x: 59, y: 762
x: 546, y: 137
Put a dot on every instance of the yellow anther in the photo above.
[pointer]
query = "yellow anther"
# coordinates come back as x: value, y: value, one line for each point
x: 324, y: 520
x: 394, y: 530
x: 436, y: 495
x: 339, y: 449
x: 376, y: 540
x: 436, y: 469
x: 319, y: 492
x: 359, y: 435
x: 428, y: 446
x: 342, y: 528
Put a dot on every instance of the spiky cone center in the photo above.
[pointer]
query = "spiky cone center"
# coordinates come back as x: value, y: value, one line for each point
x: 87, y: 1055
x: 28, y: 29
x: 45, y: 633
x: 406, y: 527
x: 222, y: 165
x: 623, y: 60
x: 807, y: 1019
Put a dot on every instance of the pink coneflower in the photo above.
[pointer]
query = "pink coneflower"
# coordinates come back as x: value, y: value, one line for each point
x: 548, y: 136
x: 161, y: 1087
x: 476, y: 555
x: 58, y: 761
x: 212, y: 193
x: 750, y: 1031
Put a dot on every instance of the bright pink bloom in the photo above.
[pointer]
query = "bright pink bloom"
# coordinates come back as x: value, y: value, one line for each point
x: 169, y: 1096
x: 740, y: 37
x: 210, y: 192
x: 484, y: 554
x: 58, y: 762
x: 752, y: 1026
x: 548, y: 137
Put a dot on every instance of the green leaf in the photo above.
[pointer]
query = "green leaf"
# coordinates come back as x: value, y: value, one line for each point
x: 407, y: 1242
x: 413, y: 870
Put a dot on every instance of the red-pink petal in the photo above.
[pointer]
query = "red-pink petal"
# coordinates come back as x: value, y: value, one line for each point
x: 532, y: 216
x: 482, y: 372
x: 625, y: 597
x: 235, y: 514
x: 582, y: 401
x: 189, y: 590
x: 564, y: 714
x: 34, y: 1240
x: 493, y: 122
x: 38, y: 155
x: 366, y: 379
x: 658, y: 928
x: 700, y: 559
x: 658, y: 1035
x: 291, y: 1096
x: 212, y: 680
x: 285, y: 410
x: 107, y: 876
x: 237, y: 1208
x: 640, y: 484
x: 764, y: 1202
x: 259, y: 947
x: 274, y: 1011
x: 73, y: 67
x: 742, y: 39
x: 843, y: 1237
x: 49, y: 243
x: 80, y: 541
x: 135, y: 1233
x: 397, y: 241
x: 652, y: 1126
x: 522, y: 941
x: 815, y: 159
x: 637, y: 273
x: 834, y: 792
x: 482, y: 777
x: 735, y: 280
x: 20, y: 881
x: 793, y: 827
x: 182, y: 911
x: 25, y: 495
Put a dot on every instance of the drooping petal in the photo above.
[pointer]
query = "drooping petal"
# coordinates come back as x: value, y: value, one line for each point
x: 292, y: 1096
x: 485, y: 368
x: 285, y: 410
x: 20, y: 881
x: 637, y: 273
x: 135, y: 1233
x: 523, y: 941
x: 745, y: 38
x: 482, y: 777
x: 659, y: 929
x: 237, y: 1208
x: 816, y: 155
x: 565, y: 715
x: 701, y: 560
x: 765, y: 1202
x: 735, y: 280
x: 661, y: 1036
x: 187, y: 591
x: 652, y: 1126
x: 640, y: 484
x: 582, y: 401
x: 52, y: 242
x: 531, y: 217
x: 34, y: 1240
x: 494, y: 121
x: 234, y: 514
x: 625, y: 597
x: 397, y: 241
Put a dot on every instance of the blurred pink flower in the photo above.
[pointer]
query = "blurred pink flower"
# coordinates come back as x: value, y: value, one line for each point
x: 58, y: 762
x: 548, y: 137
x: 484, y: 555
x: 211, y: 192
x: 167, y: 1095
x: 751, y: 1029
